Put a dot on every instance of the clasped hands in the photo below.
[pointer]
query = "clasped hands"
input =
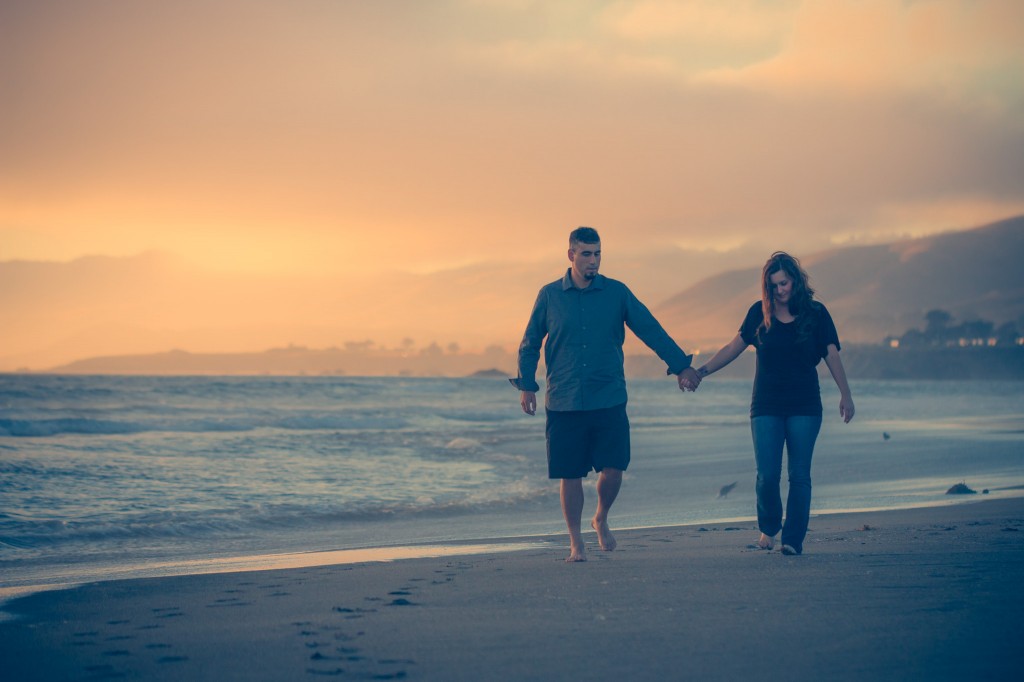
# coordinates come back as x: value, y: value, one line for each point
x: 689, y: 380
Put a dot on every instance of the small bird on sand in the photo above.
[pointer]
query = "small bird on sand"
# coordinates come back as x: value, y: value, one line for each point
x: 726, y: 489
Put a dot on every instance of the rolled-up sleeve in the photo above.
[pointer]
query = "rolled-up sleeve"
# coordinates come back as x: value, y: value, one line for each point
x: 529, y: 348
x: 642, y: 323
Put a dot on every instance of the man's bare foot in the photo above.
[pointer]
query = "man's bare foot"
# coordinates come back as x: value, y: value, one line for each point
x: 604, y: 535
x: 576, y: 553
x: 765, y: 542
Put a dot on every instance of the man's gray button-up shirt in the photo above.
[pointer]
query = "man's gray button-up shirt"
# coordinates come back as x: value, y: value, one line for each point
x: 584, y: 331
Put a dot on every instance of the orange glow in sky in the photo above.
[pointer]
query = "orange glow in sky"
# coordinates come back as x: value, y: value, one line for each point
x: 363, y: 142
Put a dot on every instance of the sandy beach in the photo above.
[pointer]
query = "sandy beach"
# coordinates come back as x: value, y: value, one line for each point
x: 933, y: 593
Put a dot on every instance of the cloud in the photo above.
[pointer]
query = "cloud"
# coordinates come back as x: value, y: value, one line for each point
x: 963, y: 49
x: 906, y: 220
x: 731, y: 24
x: 328, y: 137
x: 661, y: 41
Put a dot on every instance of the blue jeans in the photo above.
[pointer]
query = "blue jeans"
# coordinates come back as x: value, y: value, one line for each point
x: 798, y: 434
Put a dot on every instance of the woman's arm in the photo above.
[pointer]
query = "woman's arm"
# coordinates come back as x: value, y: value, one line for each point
x: 724, y: 356
x: 835, y: 365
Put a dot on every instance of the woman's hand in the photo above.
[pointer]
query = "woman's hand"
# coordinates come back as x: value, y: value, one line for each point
x: 846, y: 408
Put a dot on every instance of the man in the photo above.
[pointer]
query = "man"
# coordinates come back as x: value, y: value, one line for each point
x: 583, y: 316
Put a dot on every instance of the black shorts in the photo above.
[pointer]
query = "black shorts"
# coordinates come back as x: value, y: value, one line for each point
x: 579, y: 441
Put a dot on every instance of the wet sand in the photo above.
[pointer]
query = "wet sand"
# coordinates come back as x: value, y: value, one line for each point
x: 931, y: 593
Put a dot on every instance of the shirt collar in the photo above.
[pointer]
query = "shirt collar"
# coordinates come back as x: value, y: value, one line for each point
x: 567, y: 283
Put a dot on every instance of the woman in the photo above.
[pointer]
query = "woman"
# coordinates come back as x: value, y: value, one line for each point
x: 792, y: 333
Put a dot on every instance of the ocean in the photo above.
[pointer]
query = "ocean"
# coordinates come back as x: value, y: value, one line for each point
x: 104, y: 476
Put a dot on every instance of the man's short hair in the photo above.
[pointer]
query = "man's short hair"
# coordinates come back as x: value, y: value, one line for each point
x: 583, y: 235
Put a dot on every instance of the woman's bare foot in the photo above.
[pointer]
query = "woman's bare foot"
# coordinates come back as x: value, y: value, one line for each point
x: 604, y: 535
x: 765, y: 542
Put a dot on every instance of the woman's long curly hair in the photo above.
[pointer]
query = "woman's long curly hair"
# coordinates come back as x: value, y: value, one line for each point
x: 801, y: 300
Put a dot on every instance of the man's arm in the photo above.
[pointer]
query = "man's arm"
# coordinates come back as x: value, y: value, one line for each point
x: 642, y: 323
x: 529, y: 355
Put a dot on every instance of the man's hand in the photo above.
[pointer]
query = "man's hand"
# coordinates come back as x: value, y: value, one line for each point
x: 528, y: 399
x: 689, y: 380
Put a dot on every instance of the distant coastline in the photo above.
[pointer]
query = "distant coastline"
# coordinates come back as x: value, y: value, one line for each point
x: 861, y: 361
x: 881, y: 362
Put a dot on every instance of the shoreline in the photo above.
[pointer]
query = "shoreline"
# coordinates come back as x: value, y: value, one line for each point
x: 136, y: 570
x: 207, y: 565
x: 926, y: 592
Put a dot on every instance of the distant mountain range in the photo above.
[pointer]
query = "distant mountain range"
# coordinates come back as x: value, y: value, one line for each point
x: 97, y: 308
x: 56, y: 313
x: 879, y: 290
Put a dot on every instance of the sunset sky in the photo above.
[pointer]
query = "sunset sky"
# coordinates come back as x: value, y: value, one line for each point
x: 339, y: 138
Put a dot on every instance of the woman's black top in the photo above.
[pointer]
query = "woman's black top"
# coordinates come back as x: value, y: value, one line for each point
x: 786, y: 380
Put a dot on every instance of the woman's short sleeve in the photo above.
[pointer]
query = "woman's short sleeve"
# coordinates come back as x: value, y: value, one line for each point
x: 751, y: 323
x: 827, y: 334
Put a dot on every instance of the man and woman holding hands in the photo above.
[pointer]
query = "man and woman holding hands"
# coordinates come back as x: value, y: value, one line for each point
x: 579, y: 322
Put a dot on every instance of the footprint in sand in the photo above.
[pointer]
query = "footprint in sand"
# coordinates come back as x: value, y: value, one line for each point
x: 168, y: 612
x: 402, y: 602
x: 100, y: 672
x: 84, y: 638
x: 232, y: 601
x: 318, y: 656
x: 346, y: 637
x: 350, y: 613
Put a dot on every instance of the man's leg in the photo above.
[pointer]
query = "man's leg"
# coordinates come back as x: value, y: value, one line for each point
x: 610, y: 440
x: 572, y: 508
x: 608, y: 485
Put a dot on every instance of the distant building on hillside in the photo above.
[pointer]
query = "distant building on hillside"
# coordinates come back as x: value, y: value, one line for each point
x: 940, y: 333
